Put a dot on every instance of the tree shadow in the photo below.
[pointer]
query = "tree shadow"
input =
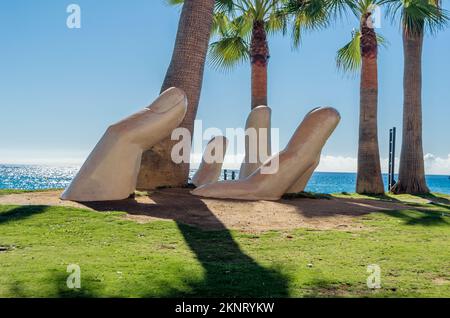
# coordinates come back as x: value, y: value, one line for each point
x: 306, y: 195
x: 383, y: 197
x: 439, y: 202
x: 440, y: 205
x: 434, y: 199
x: 229, y: 271
x: 320, y: 287
x: 21, y: 212
x: 324, y: 288
x: 420, y: 217
x: 360, y: 206
x: 335, y: 206
x: 55, y: 286
x: 87, y: 290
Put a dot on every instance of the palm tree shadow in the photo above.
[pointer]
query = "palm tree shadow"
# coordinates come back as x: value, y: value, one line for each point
x: 228, y: 271
x: 21, y: 212
x: 420, y: 217
x: 383, y: 197
x: 436, y: 201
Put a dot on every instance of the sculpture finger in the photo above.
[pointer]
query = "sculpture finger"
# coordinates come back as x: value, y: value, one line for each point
x: 212, y: 161
x: 294, y: 161
x: 257, y: 141
x: 110, y: 172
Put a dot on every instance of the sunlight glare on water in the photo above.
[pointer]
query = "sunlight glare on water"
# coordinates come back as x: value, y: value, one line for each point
x: 36, y: 177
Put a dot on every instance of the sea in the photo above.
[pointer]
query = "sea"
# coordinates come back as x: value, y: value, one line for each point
x: 40, y: 177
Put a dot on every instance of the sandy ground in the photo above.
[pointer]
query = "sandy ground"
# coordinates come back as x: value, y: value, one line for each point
x: 211, y: 214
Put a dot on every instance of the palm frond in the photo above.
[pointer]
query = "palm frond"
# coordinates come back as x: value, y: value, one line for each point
x: 223, y: 5
x: 228, y: 52
x: 243, y: 24
x: 418, y: 16
x: 337, y: 9
x: 306, y: 15
x: 382, y: 41
x: 277, y: 21
x: 174, y: 2
x: 220, y: 24
x: 233, y: 24
x: 348, y: 58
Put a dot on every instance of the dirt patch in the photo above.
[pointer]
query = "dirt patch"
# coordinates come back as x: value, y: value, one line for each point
x: 250, y: 216
x: 440, y: 281
x: 50, y: 198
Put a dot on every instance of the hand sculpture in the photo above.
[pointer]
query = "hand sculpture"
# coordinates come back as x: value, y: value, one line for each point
x: 212, y: 161
x: 302, y: 182
x: 257, y: 143
x: 110, y: 172
x: 294, y: 162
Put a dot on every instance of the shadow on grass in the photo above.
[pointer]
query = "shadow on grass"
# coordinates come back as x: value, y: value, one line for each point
x: 420, y: 217
x: 319, y: 287
x: 440, y: 205
x: 306, y: 195
x: 324, y: 288
x: 87, y: 290
x: 21, y: 213
x: 229, y: 271
x: 56, y: 287
x: 376, y: 197
x: 383, y: 197
x: 439, y: 202
x: 434, y: 199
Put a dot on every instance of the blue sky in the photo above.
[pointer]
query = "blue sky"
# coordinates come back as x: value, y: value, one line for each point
x: 60, y: 88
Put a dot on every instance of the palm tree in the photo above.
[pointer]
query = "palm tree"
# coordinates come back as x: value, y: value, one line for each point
x: 416, y: 17
x: 186, y: 72
x: 362, y: 53
x: 241, y: 35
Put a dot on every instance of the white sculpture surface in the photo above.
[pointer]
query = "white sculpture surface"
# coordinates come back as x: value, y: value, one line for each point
x: 302, y: 182
x: 110, y: 172
x: 294, y: 162
x: 212, y: 161
x: 257, y: 143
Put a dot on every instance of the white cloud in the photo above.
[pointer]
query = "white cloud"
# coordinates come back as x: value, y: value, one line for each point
x: 433, y: 164
x: 330, y: 163
x: 437, y: 165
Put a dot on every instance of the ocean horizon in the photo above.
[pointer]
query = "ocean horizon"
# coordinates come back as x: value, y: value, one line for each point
x: 41, y: 177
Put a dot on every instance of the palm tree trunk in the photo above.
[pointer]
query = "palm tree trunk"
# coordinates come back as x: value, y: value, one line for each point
x: 369, y: 178
x: 186, y: 72
x: 259, y: 55
x: 412, y: 172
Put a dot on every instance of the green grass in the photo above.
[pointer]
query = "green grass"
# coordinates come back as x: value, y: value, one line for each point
x: 120, y: 258
x: 404, y: 198
x: 306, y: 195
